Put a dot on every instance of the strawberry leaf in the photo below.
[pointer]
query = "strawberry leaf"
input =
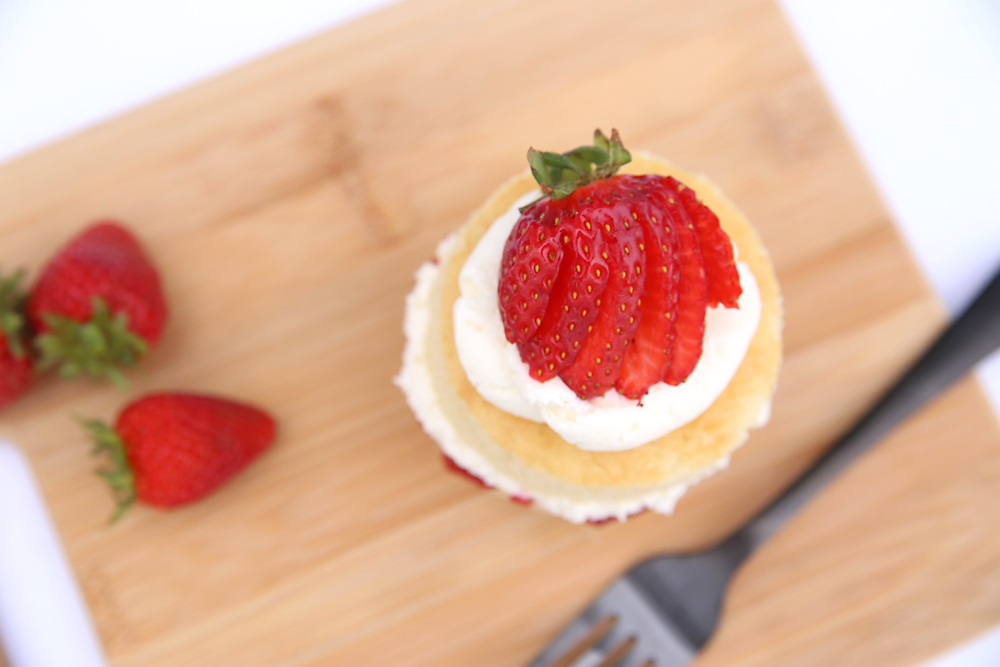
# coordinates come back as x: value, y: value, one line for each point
x: 561, y: 174
x: 557, y: 161
x: 12, y: 312
x: 537, y: 163
x: 117, y: 473
x: 589, y: 155
x: 96, y: 350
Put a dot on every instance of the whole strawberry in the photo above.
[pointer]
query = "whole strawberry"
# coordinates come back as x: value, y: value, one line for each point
x: 16, y: 366
x: 98, y: 305
x: 171, y: 449
x: 606, y: 279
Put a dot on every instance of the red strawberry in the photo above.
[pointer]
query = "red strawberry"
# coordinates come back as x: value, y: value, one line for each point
x: 537, y: 263
x: 606, y: 279
x: 16, y: 366
x: 172, y: 449
x: 98, y: 305
x: 692, y: 293
x: 717, y: 250
x: 600, y: 359
x: 16, y: 372
x: 646, y: 362
x: 583, y: 271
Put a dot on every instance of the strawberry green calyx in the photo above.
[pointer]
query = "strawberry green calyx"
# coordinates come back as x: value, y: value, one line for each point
x: 118, y: 473
x: 12, y: 312
x: 96, y: 349
x: 560, y: 174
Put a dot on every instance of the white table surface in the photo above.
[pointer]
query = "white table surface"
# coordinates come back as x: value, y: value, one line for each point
x: 917, y: 82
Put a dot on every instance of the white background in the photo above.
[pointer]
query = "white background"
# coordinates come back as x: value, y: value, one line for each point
x: 917, y: 82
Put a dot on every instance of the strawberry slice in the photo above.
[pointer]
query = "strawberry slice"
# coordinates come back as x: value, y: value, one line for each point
x: 716, y: 250
x: 692, y: 292
x: 599, y: 362
x: 647, y: 360
x: 531, y: 259
x: 572, y: 304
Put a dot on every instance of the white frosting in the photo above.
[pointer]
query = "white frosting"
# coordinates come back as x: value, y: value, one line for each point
x: 611, y: 422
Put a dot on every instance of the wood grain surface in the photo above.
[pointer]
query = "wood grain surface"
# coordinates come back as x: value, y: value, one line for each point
x: 288, y: 204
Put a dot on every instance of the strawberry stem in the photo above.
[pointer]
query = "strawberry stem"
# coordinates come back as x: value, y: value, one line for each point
x: 559, y: 174
x: 97, y: 349
x: 118, y: 473
x: 12, y: 312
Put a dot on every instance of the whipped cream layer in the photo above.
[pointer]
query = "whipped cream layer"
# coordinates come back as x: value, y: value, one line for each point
x: 611, y: 422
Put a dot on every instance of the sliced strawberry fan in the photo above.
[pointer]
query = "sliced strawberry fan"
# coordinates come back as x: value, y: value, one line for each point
x: 605, y: 280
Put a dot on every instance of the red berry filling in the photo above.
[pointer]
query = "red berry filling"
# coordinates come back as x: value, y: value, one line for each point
x: 451, y: 466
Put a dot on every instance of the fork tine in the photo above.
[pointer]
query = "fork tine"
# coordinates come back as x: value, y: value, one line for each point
x: 619, y: 653
x: 596, y: 634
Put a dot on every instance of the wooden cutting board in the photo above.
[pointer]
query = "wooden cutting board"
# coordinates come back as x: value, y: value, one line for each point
x: 288, y: 204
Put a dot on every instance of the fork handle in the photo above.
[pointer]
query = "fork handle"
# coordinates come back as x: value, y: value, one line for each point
x: 971, y: 337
